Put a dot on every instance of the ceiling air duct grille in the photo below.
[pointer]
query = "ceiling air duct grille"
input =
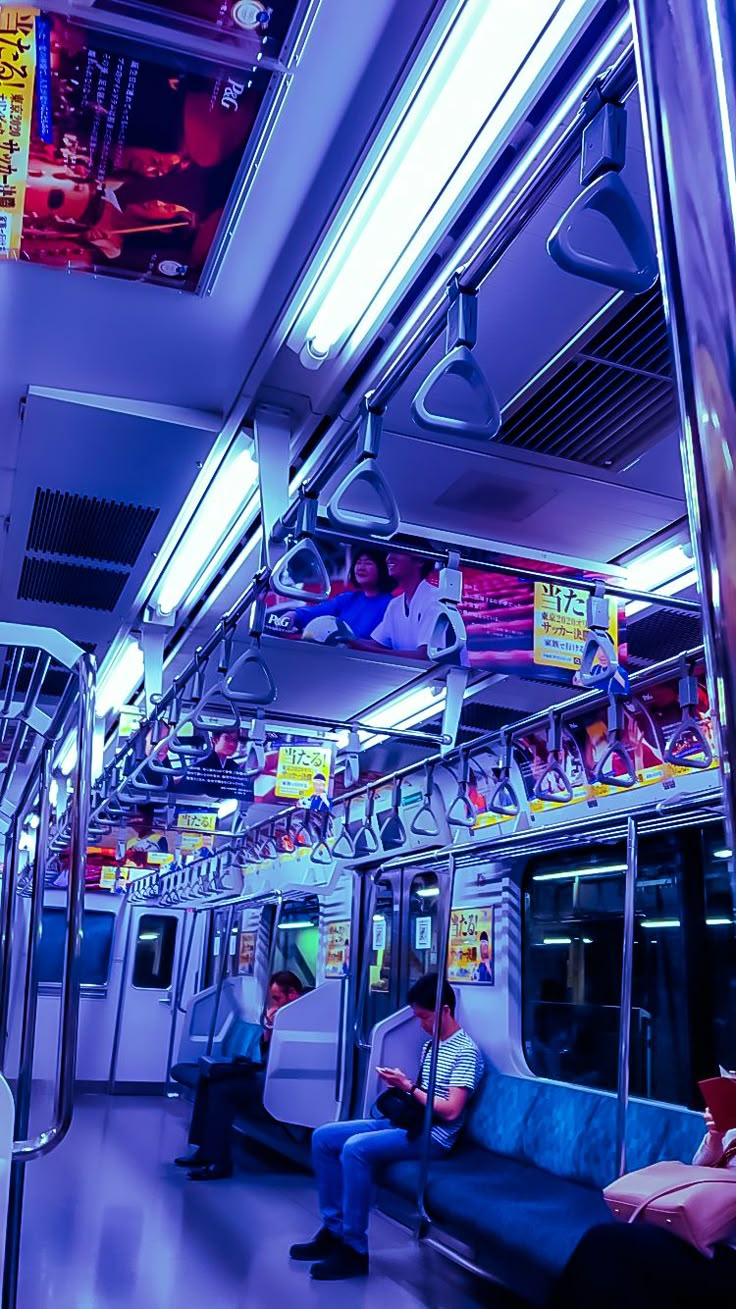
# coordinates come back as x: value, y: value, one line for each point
x: 49, y: 581
x: 606, y: 401
x: 84, y: 527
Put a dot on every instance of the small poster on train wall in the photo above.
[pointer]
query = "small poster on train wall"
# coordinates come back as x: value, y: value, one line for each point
x: 303, y: 774
x: 247, y: 954
x: 470, y: 953
x: 259, y: 28
x: 337, y: 954
x: 118, y: 157
x: 388, y: 600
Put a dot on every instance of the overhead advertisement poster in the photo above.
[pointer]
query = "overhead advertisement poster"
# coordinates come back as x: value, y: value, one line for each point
x: 337, y: 955
x: 131, y: 154
x: 470, y: 955
x: 385, y: 601
x: 256, y: 25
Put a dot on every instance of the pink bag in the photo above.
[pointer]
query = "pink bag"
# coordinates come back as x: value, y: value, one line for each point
x: 696, y: 1204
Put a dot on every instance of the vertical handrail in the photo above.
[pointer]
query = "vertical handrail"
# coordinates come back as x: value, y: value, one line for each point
x: 358, y: 1025
x: 444, y: 945
x: 627, y: 971
x: 24, y: 1083
x: 7, y: 903
x: 278, y: 910
x: 221, y: 979
x: 117, y: 1034
x: 176, y: 1008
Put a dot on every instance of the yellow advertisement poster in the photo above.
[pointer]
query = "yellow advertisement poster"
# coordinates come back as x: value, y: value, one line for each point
x: 337, y: 959
x: 247, y: 954
x: 470, y: 956
x: 17, y: 78
x: 198, y: 821
x: 561, y: 625
x: 299, y: 767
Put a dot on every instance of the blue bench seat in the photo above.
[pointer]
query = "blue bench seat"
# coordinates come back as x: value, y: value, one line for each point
x: 525, y: 1183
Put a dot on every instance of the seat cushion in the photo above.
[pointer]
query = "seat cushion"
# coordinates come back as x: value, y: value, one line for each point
x: 186, y: 1075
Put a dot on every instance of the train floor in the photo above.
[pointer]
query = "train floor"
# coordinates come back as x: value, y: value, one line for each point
x: 109, y: 1221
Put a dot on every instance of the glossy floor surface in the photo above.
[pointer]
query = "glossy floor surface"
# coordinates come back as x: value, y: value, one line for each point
x: 109, y: 1221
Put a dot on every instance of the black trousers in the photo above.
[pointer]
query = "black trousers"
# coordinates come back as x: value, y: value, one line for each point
x: 616, y: 1266
x: 217, y: 1103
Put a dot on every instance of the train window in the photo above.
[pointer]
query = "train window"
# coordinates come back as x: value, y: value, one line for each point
x: 423, y: 901
x: 297, y: 943
x: 216, y: 943
x: 683, y: 1021
x: 153, y: 965
x: 97, y: 939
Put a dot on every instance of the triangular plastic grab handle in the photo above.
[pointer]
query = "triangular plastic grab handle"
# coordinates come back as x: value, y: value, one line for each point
x: 449, y: 636
x: 425, y: 821
x: 544, y: 790
x: 604, y: 772
x: 461, y: 363
x: 216, y: 712
x: 503, y: 799
x: 689, y: 746
x: 344, y: 847
x: 592, y: 673
x: 250, y: 680
x: 611, y: 198
x: 384, y: 523
x: 313, y: 571
x: 461, y: 812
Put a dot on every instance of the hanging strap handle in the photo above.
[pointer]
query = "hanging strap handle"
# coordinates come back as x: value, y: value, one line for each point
x: 384, y: 520
x: 344, y: 847
x: 554, y: 772
x: 688, y: 746
x: 302, y: 564
x: 461, y: 812
x: 616, y: 752
x: 425, y: 819
x: 503, y: 799
x: 322, y: 854
x: 250, y: 680
x: 352, y: 759
x: 603, y: 157
x: 599, y: 660
x: 459, y: 361
x: 365, y: 835
x: 392, y: 827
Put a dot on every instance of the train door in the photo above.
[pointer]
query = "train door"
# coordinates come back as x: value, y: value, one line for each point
x: 144, y: 1018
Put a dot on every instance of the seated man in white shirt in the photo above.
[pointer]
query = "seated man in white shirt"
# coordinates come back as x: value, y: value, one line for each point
x: 410, y: 618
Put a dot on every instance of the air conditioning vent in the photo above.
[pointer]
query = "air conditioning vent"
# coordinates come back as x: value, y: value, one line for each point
x: 661, y: 635
x: 48, y: 581
x: 606, y: 401
x: 83, y: 527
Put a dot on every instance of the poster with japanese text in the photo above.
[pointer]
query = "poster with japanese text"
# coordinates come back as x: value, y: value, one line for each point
x: 124, y: 154
x: 470, y: 954
x: 383, y: 600
x: 337, y: 955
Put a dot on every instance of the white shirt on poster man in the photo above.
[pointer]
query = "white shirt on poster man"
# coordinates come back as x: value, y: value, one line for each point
x: 409, y: 624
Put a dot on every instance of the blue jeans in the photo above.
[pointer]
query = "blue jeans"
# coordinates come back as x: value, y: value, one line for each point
x: 345, y: 1157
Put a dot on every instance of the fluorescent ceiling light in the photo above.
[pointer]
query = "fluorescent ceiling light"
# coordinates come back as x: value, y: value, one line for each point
x: 722, y: 854
x: 668, y: 570
x: 473, y: 84
x: 579, y: 872
x: 148, y: 936
x: 296, y: 925
x: 428, y: 892
x: 66, y: 760
x: 649, y: 923
x: 196, y: 555
x: 719, y: 922
x: 227, y: 807
x: 119, y: 676
x: 557, y: 940
x: 404, y: 711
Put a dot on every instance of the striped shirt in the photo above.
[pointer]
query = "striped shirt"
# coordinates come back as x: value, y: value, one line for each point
x: 459, y: 1063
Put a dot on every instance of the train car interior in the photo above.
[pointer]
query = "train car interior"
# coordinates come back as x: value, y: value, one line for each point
x: 366, y: 580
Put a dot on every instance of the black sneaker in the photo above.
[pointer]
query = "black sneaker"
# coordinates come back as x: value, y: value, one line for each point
x: 211, y: 1173
x: 345, y: 1262
x: 323, y: 1244
x: 194, y: 1160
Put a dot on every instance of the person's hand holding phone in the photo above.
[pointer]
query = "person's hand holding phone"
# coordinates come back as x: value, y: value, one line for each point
x: 396, y: 1078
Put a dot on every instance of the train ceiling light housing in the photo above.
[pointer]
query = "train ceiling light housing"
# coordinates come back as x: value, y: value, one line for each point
x: 472, y: 85
x: 120, y: 674
x: 197, y: 551
x: 568, y: 874
x: 668, y: 570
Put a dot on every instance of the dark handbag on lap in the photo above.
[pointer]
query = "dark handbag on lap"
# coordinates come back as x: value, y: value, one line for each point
x: 401, y: 1110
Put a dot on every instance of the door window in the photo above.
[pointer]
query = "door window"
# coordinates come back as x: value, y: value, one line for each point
x: 153, y: 965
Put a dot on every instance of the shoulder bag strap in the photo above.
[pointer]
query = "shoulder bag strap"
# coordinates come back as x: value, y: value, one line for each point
x: 672, y: 1190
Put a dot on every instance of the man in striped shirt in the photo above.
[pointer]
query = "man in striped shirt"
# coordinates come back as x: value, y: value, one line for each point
x: 347, y: 1155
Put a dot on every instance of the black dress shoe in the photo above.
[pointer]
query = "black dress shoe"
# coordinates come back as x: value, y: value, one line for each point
x: 211, y: 1173
x: 194, y: 1160
x: 343, y: 1263
x: 320, y: 1246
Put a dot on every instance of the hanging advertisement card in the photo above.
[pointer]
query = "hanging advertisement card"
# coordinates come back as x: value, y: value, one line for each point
x: 470, y: 955
x: 337, y: 956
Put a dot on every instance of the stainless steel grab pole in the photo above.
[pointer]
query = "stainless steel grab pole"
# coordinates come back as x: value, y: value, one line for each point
x: 176, y: 1008
x: 686, y: 53
x: 221, y: 979
x: 442, y: 953
x: 7, y: 906
x: 70, y: 987
x: 627, y: 978
x: 24, y: 1083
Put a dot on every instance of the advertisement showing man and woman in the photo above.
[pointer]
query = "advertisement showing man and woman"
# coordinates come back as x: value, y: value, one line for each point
x: 130, y: 155
x: 389, y: 600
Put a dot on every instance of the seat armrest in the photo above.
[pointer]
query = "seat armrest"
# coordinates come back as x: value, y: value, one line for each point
x: 221, y: 1070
